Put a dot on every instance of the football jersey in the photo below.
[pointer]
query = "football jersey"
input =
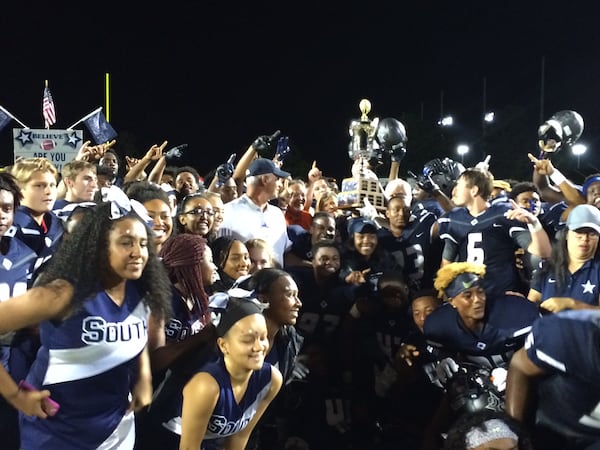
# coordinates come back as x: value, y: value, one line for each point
x: 508, y: 319
x: 301, y: 242
x: 32, y: 234
x: 86, y: 361
x: 489, y: 239
x: 323, y: 307
x: 415, y: 251
x: 566, y: 345
x: 551, y: 219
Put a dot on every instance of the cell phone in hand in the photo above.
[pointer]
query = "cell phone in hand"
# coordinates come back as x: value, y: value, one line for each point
x: 49, y: 406
x: 283, y: 147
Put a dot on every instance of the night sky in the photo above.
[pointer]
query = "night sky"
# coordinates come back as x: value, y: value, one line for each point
x: 215, y: 75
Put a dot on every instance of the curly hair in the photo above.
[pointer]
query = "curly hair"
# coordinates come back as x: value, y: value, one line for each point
x: 449, y: 272
x: 182, y: 255
x: 84, y: 258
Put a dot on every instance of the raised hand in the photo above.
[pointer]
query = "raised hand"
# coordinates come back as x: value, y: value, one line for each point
x: 131, y: 161
x: 225, y: 171
x: 86, y: 152
x: 264, y: 144
x: 541, y: 166
x: 368, y: 211
x: 155, y: 152
x: 485, y: 164
x: 314, y: 173
x: 175, y: 152
x: 520, y: 214
x: 283, y: 149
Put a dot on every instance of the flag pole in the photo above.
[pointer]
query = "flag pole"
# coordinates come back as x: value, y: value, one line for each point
x: 13, y: 117
x: 107, y: 93
x: 46, y: 87
x: 96, y: 111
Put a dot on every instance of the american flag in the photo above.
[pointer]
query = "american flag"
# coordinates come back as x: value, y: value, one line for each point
x: 48, y: 108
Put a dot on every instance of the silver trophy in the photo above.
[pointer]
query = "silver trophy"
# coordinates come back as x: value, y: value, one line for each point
x: 363, y: 144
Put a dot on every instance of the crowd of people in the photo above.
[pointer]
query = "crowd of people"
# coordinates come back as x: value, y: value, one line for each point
x: 144, y: 306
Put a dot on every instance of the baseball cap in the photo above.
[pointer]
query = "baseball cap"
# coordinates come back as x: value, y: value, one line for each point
x: 584, y: 216
x: 361, y: 225
x: 263, y: 166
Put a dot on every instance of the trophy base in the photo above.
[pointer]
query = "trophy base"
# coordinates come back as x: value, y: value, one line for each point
x: 355, y: 190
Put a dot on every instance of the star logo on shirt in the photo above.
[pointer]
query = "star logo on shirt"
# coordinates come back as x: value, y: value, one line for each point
x: 588, y: 287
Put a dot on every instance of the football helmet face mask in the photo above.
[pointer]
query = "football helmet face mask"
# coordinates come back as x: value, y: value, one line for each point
x: 562, y: 130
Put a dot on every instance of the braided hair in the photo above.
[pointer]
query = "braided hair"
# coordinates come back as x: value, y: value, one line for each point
x: 181, y: 256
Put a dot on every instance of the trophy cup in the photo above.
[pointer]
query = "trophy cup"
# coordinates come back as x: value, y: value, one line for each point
x: 362, y: 149
x: 362, y: 132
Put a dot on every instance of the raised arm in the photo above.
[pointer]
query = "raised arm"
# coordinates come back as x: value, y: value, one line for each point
x: 314, y: 174
x: 157, y: 171
x: 260, y: 146
x: 137, y: 170
x: 567, y: 191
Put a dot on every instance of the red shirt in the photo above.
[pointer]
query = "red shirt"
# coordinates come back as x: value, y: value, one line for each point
x: 298, y: 217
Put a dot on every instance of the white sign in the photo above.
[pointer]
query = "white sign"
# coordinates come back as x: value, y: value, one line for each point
x: 58, y: 146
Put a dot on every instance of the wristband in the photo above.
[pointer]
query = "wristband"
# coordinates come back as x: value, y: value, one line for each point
x: 557, y: 177
x: 534, y: 227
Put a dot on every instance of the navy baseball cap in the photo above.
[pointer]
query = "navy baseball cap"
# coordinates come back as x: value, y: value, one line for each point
x: 361, y: 225
x: 263, y: 166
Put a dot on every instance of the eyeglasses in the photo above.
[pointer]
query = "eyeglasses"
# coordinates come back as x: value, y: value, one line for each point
x: 200, y: 212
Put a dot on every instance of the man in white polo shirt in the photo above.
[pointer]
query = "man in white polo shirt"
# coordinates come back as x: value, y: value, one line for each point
x: 252, y: 216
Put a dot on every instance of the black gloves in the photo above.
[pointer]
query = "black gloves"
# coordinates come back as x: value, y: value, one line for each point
x: 425, y: 182
x: 175, y: 152
x: 225, y: 171
x: 264, y: 144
